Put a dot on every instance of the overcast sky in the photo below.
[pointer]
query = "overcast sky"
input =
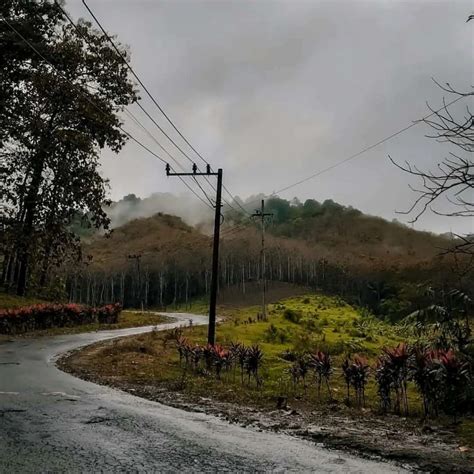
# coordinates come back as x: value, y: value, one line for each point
x: 274, y: 91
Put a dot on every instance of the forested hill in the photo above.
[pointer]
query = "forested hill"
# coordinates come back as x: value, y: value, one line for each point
x: 314, y: 230
x: 347, y: 234
x: 158, y: 239
x: 160, y: 259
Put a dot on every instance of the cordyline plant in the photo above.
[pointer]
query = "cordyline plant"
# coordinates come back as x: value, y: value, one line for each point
x: 455, y: 377
x: 253, y: 363
x: 394, y: 368
x: 299, y: 370
x: 46, y: 316
x: 356, y: 374
x: 217, y: 358
x: 427, y: 378
x: 321, y: 363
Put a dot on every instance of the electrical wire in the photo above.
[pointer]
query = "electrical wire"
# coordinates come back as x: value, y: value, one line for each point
x: 76, y: 86
x: 124, y: 60
x: 361, y: 152
x: 134, y: 118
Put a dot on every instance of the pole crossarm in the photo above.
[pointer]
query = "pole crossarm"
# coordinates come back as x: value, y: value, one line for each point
x: 195, y: 171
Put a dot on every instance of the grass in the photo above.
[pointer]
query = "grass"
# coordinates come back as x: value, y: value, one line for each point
x: 466, y: 432
x: 298, y: 324
x: 326, y: 323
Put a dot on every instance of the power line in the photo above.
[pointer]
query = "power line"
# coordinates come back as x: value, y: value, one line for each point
x: 76, y: 86
x: 143, y: 109
x: 359, y: 153
x: 235, y: 200
x: 134, y: 118
x: 205, y: 194
x: 139, y: 80
x: 235, y: 230
x: 124, y: 60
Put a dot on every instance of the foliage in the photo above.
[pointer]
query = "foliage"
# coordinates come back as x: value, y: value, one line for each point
x: 444, y: 326
x: 218, y: 358
x: 321, y: 363
x: 275, y: 334
x: 394, y: 364
x: 45, y: 316
x: 292, y: 315
x: 59, y: 105
x: 356, y: 373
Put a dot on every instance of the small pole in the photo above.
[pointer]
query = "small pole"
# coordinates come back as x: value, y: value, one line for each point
x: 262, y: 214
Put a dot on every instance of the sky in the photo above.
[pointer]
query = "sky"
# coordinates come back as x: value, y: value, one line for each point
x: 275, y: 91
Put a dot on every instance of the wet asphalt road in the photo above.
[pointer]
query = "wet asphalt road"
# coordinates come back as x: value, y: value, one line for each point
x: 51, y: 421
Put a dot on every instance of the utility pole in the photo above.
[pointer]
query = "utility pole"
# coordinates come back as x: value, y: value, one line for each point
x: 137, y: 258
x: 211, y: 334
x: 262, y: 214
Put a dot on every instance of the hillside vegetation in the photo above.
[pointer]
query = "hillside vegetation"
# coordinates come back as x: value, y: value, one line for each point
x: 283, y: 380
x: 160, y: 260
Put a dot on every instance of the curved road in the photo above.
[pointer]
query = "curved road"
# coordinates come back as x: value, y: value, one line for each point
x: 51, y: 421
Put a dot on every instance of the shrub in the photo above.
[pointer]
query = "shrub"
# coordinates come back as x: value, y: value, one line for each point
x: 356, y: 373
x: 393, y: 367
x: 323, y: 368
x: 299, y: 369
x: 274, y: 334
x: 46, y: 316
x: 288, y: 355
x: 292, y: 315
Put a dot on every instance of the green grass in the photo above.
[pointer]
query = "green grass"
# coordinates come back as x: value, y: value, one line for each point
x: 466, y: 432
x: 325, y: 323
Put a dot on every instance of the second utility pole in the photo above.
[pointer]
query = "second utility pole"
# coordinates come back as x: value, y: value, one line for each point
x: 211, y: 332
x: 262, y: 214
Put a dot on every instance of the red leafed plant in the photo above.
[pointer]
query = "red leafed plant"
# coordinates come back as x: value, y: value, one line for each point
x: 356, y: 373
x: 46, y: 316
x: 322, y: 365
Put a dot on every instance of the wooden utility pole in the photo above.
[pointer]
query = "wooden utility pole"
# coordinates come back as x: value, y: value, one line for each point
x: 211, y: 334
x: 262, y: 214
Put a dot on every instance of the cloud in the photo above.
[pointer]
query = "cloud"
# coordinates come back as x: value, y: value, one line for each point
x: 273, y: 91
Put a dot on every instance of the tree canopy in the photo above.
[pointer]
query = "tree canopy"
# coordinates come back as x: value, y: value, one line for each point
x: 61, y: 90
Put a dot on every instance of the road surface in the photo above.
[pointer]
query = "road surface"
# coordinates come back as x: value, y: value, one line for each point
x: 51, y: 421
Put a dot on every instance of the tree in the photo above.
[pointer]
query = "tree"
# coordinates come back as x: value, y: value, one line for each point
x: 62, y: 88
x: 453, y: 178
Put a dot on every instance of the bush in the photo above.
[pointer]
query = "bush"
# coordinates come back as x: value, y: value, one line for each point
x: 46, y: 316
x: 292, y: 315
x: 274, y: 334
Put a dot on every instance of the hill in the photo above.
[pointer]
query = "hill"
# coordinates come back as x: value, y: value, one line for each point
x: 160, y: 260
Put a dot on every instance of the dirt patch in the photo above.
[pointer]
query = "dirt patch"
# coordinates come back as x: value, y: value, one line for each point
x: 427, y: 447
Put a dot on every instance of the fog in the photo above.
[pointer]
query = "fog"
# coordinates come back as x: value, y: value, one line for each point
x: 274, y: 91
